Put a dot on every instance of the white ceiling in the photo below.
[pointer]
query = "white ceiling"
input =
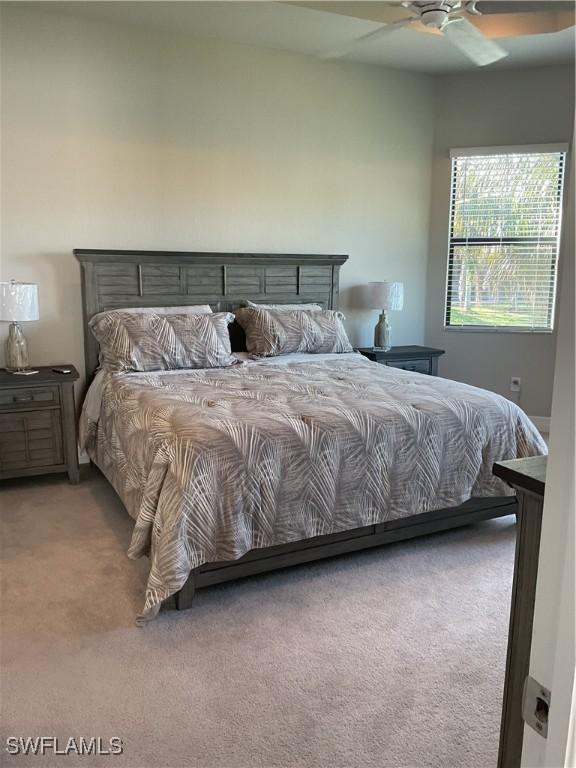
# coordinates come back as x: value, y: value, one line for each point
x: 288, y: 27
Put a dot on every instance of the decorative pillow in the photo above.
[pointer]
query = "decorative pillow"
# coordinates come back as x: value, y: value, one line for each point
x: 277, y: 332
x: 153, y: 342
x: 285, y: 307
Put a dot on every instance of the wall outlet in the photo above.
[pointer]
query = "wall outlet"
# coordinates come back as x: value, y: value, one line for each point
x: 515, y: 384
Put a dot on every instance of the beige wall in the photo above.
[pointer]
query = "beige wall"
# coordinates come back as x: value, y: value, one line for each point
x: 79, y: 160
x: 117, y: 137
x: 114, y: 138
x: 530, y: 106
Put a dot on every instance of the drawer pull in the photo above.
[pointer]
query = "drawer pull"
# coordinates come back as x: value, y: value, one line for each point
x: 23, y: 398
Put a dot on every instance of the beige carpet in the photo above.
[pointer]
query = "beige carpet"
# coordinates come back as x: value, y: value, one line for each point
x: 389, y: 658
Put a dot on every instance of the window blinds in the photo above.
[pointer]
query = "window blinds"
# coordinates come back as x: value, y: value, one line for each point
x: 505, y: 219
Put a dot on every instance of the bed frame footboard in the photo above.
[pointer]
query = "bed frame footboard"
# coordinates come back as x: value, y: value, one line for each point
x: 286, y: 555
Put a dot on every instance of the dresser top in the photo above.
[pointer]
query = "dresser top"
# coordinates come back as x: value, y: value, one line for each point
x: 45, y: 375
x: 528, y: 473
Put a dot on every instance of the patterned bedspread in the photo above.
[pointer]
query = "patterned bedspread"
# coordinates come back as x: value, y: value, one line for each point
x: 213, y: 463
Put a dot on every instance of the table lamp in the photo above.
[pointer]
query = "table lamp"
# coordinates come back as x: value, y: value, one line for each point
x: 384, y: 296
x: 18, y: 304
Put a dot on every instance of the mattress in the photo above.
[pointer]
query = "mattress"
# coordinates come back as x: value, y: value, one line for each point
x: 214, y: 463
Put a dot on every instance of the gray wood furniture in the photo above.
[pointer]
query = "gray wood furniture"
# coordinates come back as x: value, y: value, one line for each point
x: 115, y: 279
x: 528, y: 478
x: 409, y: 358
x: 38, y: 424
x: 284, y: 555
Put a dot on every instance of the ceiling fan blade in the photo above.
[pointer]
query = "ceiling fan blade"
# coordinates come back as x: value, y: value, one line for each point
x: 377, y: 33
x: 516, y: 6
x: 367, y: 10
x: 473, y: 44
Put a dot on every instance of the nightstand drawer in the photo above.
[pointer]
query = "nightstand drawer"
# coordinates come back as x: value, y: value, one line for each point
x: 30, y: 440
x: 18, y: 399
x: 419, y: 366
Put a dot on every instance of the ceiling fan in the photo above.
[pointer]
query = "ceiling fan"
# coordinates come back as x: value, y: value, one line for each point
x: 448, y: 18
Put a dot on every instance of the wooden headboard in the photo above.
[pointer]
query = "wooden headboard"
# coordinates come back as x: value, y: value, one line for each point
x: 116, y: 279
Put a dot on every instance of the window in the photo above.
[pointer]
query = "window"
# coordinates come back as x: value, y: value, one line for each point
x: 505, y: 217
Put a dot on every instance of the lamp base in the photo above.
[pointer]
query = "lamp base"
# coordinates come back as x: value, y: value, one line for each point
x: 17, y: 360
x: 383, y: 333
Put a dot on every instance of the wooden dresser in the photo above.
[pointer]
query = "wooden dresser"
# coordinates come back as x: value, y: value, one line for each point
x: 38, y: 424
x: 528, y: 478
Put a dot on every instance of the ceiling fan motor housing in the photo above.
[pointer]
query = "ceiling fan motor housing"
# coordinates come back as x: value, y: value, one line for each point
x: 435, y: 14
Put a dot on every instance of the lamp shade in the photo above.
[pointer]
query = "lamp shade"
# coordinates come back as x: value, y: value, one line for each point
x: 386, y: 295
x: 18, y: 301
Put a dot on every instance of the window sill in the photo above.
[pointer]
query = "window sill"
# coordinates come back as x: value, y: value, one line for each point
x: 488, y: 329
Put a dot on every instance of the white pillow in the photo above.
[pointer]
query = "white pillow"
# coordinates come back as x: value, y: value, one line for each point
x: 286, y: 307
x: 191, y: 309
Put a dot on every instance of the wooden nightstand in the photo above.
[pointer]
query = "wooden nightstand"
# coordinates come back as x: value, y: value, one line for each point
x: 412, y: 358
x: 38, y: 424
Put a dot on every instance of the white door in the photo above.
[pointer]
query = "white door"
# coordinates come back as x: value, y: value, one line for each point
x: 553, y: 659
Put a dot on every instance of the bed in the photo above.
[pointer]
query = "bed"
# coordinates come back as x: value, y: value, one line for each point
x: 230, y: 472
